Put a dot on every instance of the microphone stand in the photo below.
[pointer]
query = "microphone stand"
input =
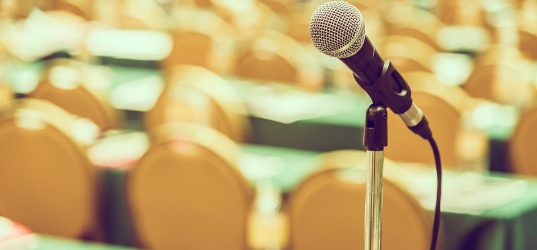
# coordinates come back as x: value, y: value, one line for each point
x: 375, y: 139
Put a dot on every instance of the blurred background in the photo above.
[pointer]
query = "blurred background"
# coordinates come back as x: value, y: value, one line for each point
x: 215, y: 124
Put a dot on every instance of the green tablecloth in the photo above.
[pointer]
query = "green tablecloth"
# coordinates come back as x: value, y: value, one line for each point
x: 511, y: 226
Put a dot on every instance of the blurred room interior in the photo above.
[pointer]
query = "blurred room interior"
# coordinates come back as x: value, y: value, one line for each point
x: 216, y: 124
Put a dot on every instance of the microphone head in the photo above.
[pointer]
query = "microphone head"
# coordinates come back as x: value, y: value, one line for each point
x: 337, y: 29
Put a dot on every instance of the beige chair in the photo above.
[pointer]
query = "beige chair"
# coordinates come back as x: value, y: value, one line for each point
x: 403, y: 19
x: 522, y: 145
x: 327, y: 210
x: 6, y: 98
x: 280, y: 7
x: 470, y: 143
x: 445, y: 120
x: 16, y: 9
x: 81, y: 8
x: 46, y: 180
x: 270, y: 56
x: 203, y: 39
x: 459, y: 12
x: 408, y: 53
x: 526, y: 43
x: 195, y: 94
x: 187, y: 193
x: 502, y: 83
x: 69, y: 85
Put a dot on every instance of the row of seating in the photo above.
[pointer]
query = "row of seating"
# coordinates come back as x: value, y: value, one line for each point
x: 185, y: 189
x: 195, y: 94
x: 265, y: 53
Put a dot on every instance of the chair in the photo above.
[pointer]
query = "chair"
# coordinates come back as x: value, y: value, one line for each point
x: 458, y: 12
x: 187, y: 193
x: 522, y: 144
x: 270, y: 56
x: 327, y: 212
x: 46, y: 181
x: 499, y: 82
x: 403, y: 19
x: 526, y: 43
x: 408, y: 53
x: 204, y: 40
x: 73, y: 87
x: 445, y: 120
x: 195, y: 94
x: 81, y: 8
x: 6, y: 98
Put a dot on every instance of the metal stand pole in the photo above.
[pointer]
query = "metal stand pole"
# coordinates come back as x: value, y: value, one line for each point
x: 375, y: 139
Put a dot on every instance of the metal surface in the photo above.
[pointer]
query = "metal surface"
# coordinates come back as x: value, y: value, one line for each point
x: 373, y: 203
x: 412, y: 116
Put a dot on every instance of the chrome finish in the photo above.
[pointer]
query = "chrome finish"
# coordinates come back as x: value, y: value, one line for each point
x: 373, y: 202
x: 412, y: 116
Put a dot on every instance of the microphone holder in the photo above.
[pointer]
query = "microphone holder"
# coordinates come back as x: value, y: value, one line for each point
x: 375, y: 139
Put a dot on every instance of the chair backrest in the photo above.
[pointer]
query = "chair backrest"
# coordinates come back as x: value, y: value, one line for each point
x: 65, y: 84
x: 46, y: 181
x: 204, y: 39
x: 6, y: 97
x: 526, y: 43
x: 270, y: 56
x: 81, y: 8
x: 408, y: 53
x: 506, y: 84
x: 523, y: 143
x: 187, y: 193
x: 445, y: 122
x: 195, y: 94
x: 327, y: 212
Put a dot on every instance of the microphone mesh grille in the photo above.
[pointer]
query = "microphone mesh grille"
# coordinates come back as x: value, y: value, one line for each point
x: 337, y: 29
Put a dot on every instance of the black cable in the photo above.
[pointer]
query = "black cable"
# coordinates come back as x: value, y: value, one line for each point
x: 438, y: 163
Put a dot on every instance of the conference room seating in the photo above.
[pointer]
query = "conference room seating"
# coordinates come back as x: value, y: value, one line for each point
x: 445, y: 107
x: 403, y: 19
x: 500, y: 54
x: 137, y: 14
x: 326, y: 210
x: 408, y: 53
x: 502, y: 83
x: 526, y: 42
x: 81, y: 8
x: 522, y: 144
x: 78, y: 89
x: 6, y: 98
x: 195, y: 94
x: 459, y: 12
x: 280, y: 7
x: 187, y: 192
x: 202, y: 38
x: 271, y: 56
x: 46, y: 180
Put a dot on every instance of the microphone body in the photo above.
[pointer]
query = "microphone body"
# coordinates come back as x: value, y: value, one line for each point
x: 369, y: 70
x: 337, y: 29
x: 385, y: 86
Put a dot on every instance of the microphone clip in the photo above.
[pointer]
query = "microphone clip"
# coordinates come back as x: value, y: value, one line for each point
x: 389, y: 90
x: 376, y: 128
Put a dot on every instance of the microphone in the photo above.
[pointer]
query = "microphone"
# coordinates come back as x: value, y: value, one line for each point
x: 337, y: 29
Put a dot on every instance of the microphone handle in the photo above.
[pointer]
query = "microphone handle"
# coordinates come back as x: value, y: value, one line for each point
x: 379, y: 79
